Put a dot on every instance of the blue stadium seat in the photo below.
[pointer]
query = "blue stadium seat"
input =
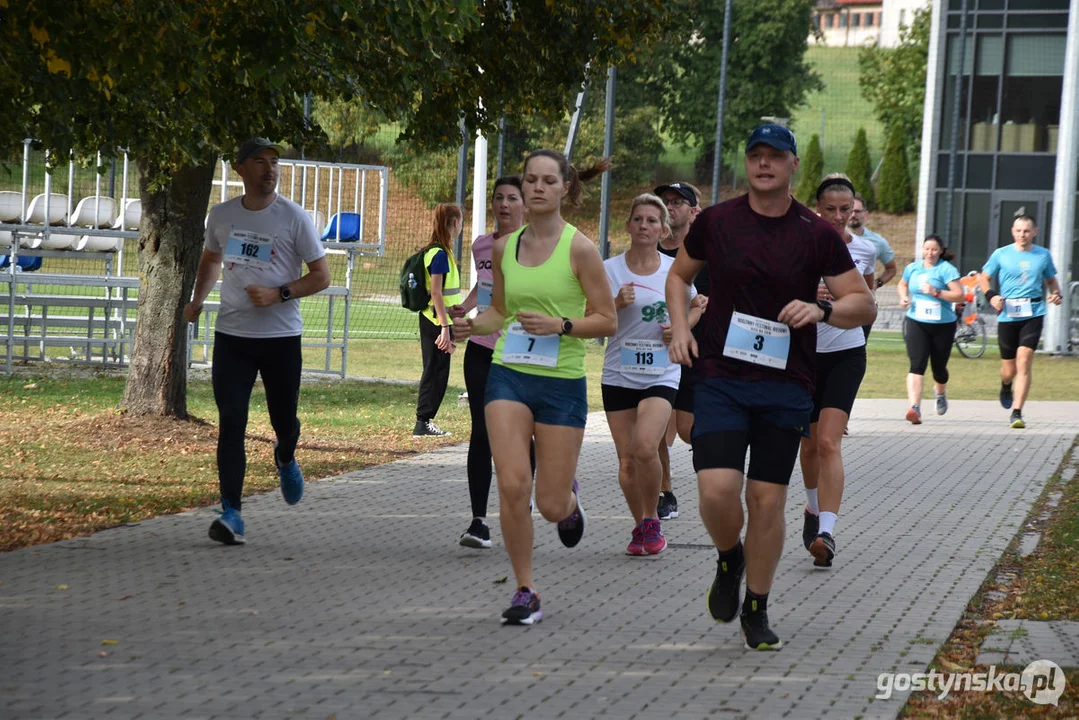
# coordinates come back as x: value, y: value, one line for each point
x: 28, y: 264
x: 350, y: 227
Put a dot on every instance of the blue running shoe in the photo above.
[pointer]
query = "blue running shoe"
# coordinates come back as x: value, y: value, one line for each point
x: 229, y: 528
x: 291, y: 479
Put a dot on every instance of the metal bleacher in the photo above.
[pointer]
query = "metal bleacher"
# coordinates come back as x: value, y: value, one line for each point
x: 69, y: 316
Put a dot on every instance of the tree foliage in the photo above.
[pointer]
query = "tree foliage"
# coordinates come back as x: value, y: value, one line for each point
x: 179, y: 83
x: 895, y: 187
x: 860, y: 169
x: 893, y: 79
x: 767, y: 73
x: 810, y: 172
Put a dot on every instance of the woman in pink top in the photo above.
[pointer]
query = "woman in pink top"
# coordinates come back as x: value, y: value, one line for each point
x: 508, y: 206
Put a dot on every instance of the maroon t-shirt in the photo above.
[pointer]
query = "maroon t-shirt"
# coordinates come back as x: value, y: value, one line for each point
x: 759, y: 264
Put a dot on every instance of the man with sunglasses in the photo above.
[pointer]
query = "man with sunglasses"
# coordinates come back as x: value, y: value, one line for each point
x: 683, y: 205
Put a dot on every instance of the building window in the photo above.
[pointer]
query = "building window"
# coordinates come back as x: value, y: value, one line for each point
x: 953, y: 75
x: 842, y: 20
x: 828, y: 20
x: 984, y: 117
x: 902, y: 17
x: 856, y: 20
x: 1032, y: 86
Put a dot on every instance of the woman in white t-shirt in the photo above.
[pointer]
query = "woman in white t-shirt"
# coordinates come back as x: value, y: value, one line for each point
x: 841, y: 363
x: 639, y: 381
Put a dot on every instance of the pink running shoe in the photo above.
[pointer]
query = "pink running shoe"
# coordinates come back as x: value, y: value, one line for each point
x: 654, y: 542
x: 636, y: 545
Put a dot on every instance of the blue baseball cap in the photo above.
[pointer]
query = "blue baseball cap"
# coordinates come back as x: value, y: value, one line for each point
x: 776, y: 136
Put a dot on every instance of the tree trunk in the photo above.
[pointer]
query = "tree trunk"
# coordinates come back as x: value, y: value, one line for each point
x: 170, y: 244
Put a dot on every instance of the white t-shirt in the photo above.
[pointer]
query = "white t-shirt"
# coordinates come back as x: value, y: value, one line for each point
x: 636, y: 357
x: 831, y: 339
x: 261, y: 247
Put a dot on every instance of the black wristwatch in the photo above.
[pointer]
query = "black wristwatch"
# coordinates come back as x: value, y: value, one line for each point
x: 286, y: 294
x: 827, y: 308
x: 567, y: 326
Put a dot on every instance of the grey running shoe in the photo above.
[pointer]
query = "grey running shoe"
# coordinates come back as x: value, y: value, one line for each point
x: 942, y: 404
x: 1017, y: 420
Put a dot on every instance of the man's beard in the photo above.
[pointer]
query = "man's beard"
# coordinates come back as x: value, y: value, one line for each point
x: 855, y: 224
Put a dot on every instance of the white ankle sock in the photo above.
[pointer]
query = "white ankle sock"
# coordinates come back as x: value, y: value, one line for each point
x: 811, y: 497
x: 827, y: 522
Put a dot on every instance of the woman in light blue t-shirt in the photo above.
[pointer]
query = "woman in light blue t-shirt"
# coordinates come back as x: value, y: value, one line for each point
x: 927, y: 290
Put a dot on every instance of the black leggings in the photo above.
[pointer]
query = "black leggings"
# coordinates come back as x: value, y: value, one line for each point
x: 477, y: 367
x: 436, y: 371
x: 237, y: 360
x: 930, y: 343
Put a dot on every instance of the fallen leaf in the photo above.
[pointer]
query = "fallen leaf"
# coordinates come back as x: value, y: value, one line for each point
x: 502, y: 580
x: 61, y: 587
x: 125, y: 597
x: 102, y: 654
x: 110, y: 642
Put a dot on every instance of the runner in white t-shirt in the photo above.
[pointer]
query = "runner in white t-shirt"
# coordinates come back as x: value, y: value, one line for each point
x: 841, y: 364
x: 639, y: 381
x: 264, y: 240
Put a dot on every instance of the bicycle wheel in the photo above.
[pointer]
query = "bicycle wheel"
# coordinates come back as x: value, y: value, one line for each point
x: 971, y: 340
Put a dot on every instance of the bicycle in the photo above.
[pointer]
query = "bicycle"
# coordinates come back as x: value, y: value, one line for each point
x: 971, y: 337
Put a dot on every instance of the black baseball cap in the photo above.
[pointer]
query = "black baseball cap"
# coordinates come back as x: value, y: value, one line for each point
x: 254, y: 146
x: 684, y: 189
x: 774, y: 135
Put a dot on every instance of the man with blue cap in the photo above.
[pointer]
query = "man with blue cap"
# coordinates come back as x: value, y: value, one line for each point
x: 754, y: 358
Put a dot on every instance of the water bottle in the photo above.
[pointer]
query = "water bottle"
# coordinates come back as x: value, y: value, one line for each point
x: 412, y: 280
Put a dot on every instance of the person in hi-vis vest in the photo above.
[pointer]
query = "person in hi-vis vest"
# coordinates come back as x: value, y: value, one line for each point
x: 436, y: 337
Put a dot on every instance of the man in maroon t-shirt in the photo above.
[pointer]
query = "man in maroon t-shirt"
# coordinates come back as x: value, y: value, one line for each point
x: 755, y: 362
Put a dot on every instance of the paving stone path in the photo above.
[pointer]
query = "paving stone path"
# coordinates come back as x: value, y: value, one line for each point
x: 358, y: 603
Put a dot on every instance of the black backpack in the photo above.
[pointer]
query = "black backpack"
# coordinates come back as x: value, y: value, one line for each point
x: 413, y: 282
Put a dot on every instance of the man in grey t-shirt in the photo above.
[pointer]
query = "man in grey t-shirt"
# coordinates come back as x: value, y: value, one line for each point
x: 258, y: 243
x: 885, y: 254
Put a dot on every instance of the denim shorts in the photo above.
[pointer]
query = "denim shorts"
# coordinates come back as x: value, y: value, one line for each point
x: 553, y: 401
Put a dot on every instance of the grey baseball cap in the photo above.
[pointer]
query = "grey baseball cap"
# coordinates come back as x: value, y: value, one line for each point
x: 254, y: 146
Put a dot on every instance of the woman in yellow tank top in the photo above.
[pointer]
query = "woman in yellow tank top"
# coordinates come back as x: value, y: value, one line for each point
x: 545, y: 275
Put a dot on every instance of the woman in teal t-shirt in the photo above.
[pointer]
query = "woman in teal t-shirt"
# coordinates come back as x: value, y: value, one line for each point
x: 927, y: 290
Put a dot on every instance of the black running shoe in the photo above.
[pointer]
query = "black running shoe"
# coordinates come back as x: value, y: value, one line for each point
x: 810, y: 528
x: 724, y: 597
x: 1006, y: 396
x: 668, y: 505
x: 524, y: 609
x: 823, y: 550
x: 477, y: 536
x: 757, y: 634
x: 571, y: 530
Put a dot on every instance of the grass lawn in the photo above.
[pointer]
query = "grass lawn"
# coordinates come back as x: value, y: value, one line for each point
x: 1043, y: 586
x: 844, y: 108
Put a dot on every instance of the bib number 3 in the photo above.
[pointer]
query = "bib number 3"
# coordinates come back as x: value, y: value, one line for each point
x: 758, y: 341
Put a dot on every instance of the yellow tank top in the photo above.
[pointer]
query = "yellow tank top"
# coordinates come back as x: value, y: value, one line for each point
x: 551, y: 289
